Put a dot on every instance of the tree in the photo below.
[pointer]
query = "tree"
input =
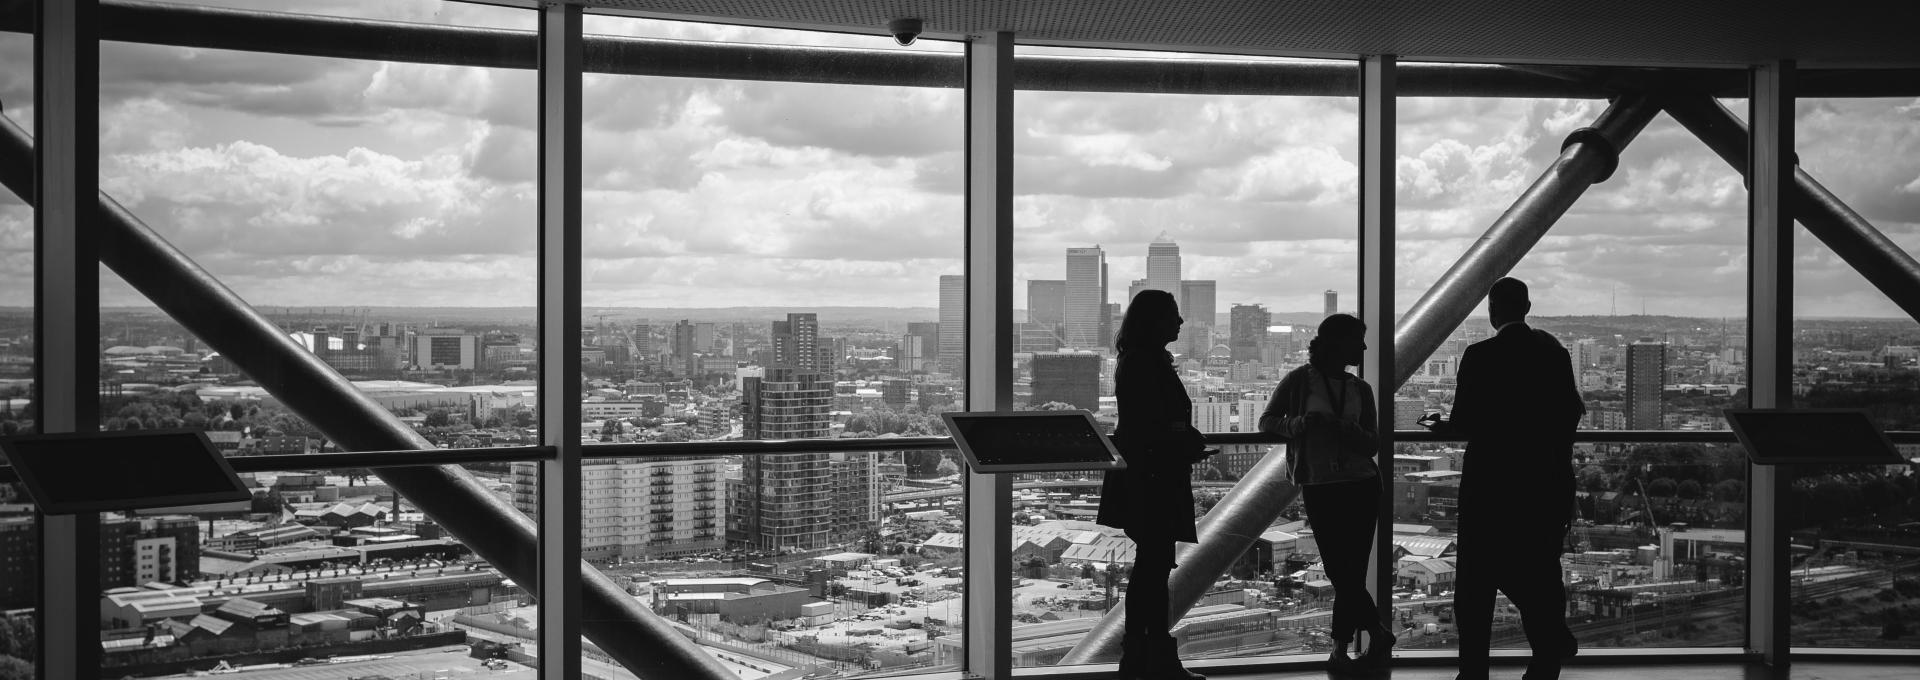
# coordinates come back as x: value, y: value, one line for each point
x: 438, y: 418
x: 1661, y: 488
x: 15, y: 668
x: 1730, y: 491
x: 1689, y: 489
x: 18, y: 639
x: 1594, y: 478
x: 947, y: 468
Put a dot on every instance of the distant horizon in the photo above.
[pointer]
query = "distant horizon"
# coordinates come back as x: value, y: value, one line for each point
x: 349, y: 310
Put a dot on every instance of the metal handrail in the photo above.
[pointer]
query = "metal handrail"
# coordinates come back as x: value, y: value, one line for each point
x: 508, y: 454
x: 390, y: 459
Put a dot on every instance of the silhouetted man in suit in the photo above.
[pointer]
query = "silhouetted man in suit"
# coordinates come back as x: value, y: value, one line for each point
x: 1517, y: 406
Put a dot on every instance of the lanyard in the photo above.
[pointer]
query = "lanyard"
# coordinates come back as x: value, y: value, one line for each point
x: 1339, y: 402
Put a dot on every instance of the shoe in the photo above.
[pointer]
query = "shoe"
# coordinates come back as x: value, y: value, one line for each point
x: 1135, y: 658
x: 1169, y: 661
x: 1545, y: 665
x: 1379, y: 648
x: 1338, y: 663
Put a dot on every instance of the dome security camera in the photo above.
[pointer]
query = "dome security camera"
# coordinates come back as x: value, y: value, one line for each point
x: 905, y: 31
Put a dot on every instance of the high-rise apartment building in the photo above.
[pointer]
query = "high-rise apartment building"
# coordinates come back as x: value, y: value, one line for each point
x: 640, y: 508
x: 1163, y: 265
x: 1134, y: 287
x: 1046, y: 301
x: 796, y: 344
x: 1248, y: 418
x: 1067, y: 377
x: 1646, y: 375
x: 784, y: 501
x: 642, y: 337
x: 133, y: 552
x: 1247, y: 327
x: 857, y: 494
x: 953, y: 322
x: 686, y: 349
x: 1331, y: 304
x: 1213, y: 416
x: 1583, y: 356
x: 1086, y: 301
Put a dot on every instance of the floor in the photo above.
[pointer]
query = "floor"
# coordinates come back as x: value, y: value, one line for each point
x: 1808, y: 670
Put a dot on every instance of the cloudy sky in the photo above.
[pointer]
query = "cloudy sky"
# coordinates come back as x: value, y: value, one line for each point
x: 322, y: 182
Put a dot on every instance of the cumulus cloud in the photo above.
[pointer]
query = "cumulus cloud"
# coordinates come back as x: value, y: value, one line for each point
x: 321, y: 181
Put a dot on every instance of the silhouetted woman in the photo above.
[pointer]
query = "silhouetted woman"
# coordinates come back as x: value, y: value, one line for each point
x: 1328, y: 417
x: 1153, y: 498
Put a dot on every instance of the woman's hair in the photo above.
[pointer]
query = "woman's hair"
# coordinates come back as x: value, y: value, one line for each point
x: 1136, y: 327
x: 1338, y: 326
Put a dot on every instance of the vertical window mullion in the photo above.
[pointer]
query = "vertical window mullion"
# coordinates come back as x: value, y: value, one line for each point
x: 1770, y: 324
x: 67, y: 314
x: 1377, y: 121
x: 560, y: 69
x: 989, y: 350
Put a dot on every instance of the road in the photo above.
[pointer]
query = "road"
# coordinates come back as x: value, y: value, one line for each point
x: 449, y: 663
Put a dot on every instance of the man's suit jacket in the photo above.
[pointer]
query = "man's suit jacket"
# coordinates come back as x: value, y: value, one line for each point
x: 1518, y: 405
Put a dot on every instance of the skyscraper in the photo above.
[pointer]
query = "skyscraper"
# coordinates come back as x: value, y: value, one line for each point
x: 1646, y: 374
x: 1046, y: 301
x: 1163, y: 265
x: 919, y: 345
x: 1247, y: 327
x: 953, y: 322
x: 1332, y: 305
x: 1067, y: 377
x: 703, y: 337
x: 642, y: 340
x: 1197, y: 302
x: 784, y: 501
x: 739, y: 340
x: 1086, y: 301
x: 686, y: 349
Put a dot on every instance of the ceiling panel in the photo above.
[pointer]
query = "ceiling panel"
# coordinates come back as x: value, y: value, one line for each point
x: 1627, y: 32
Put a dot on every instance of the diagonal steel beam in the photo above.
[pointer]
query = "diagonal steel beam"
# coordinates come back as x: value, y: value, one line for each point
x: 615, y: 621
x: 1226, y: 533
x: 1587, y: 157
x: 1884, y: 263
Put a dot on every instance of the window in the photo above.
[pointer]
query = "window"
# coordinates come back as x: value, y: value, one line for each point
x: 380, y: 213
x: 337, y: 560
x: 19, y: 547
x: 776, y: 260
x: 1636, y: 280
x: 1854, y: 348
x: 1244, y: 208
